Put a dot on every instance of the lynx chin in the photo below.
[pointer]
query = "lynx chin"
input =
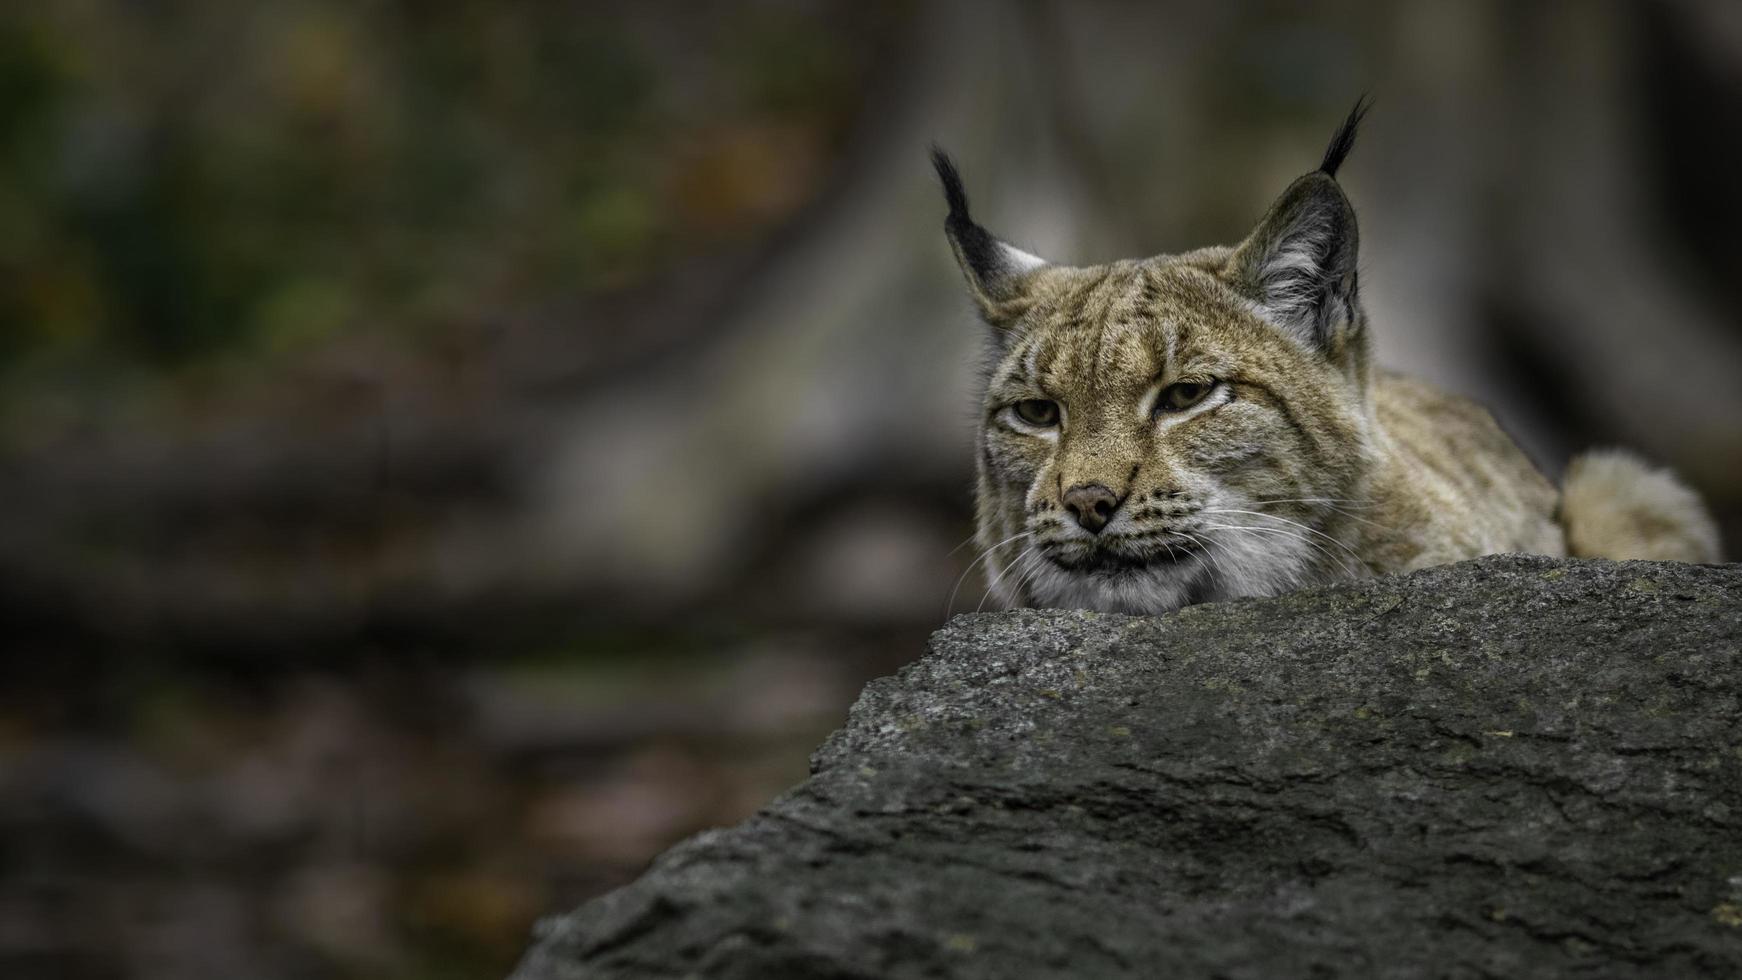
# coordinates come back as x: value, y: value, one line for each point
x: 1170, y: 430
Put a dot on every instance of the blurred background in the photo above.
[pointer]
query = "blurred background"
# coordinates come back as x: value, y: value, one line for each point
x: 449, y: 452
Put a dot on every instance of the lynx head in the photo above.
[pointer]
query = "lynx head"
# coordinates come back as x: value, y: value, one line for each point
x: 1162, y: 431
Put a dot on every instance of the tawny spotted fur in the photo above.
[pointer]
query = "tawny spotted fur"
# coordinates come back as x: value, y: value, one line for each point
x: 1170, y: 430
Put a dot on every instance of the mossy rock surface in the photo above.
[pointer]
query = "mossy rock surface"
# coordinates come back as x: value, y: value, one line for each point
x: 1513, y: 766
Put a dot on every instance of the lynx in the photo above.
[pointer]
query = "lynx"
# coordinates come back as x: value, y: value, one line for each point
x: 1164, y: 431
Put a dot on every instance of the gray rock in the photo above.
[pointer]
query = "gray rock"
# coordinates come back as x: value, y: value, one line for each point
x: 1509, y: 767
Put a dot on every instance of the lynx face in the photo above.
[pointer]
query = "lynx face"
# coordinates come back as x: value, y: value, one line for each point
x: 1149, y: 440
x: 1174, y: 429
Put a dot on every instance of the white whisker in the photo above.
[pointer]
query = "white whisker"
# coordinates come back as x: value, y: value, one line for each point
x: 1312, y: 500
x: 1331, y: 504
x: 1276, y: 517
x: 965, y: 542
x: 984, y: 555
x: 1245, y: 583
x: 1036, y: 563
x: 1293, y: 536
x: 998, y: 577
x: 1215, y: 561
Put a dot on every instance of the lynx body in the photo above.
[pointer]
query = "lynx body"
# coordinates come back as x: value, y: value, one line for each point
x: 1183, y: 428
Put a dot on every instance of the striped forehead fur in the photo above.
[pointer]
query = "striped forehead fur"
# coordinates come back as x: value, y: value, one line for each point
x: 1169, y: 430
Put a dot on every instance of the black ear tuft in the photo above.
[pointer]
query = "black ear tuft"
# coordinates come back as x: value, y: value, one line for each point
x: 979, y: 248
x: 1344, y: 141
x: 990, y: 265
x: 953, y: 192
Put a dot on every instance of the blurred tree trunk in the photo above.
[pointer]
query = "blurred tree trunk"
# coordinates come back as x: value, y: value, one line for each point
x: 805, y: 418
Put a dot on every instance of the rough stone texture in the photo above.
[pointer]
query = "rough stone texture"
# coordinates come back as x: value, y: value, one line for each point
x: 1509, y: 767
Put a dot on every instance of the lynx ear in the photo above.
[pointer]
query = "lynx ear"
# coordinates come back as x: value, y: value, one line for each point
x: 997, y: 272
x: 1298, y: 265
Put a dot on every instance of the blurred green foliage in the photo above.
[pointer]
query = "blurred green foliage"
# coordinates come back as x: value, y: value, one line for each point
x: 186, y: 179
x: 203, y: 207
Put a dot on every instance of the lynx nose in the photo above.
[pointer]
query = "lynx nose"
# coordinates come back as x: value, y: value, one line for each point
x: 1092, y: 505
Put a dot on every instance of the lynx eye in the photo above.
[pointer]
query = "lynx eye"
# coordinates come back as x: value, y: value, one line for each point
x: 1038, y: 412
x: 1182, y: 395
